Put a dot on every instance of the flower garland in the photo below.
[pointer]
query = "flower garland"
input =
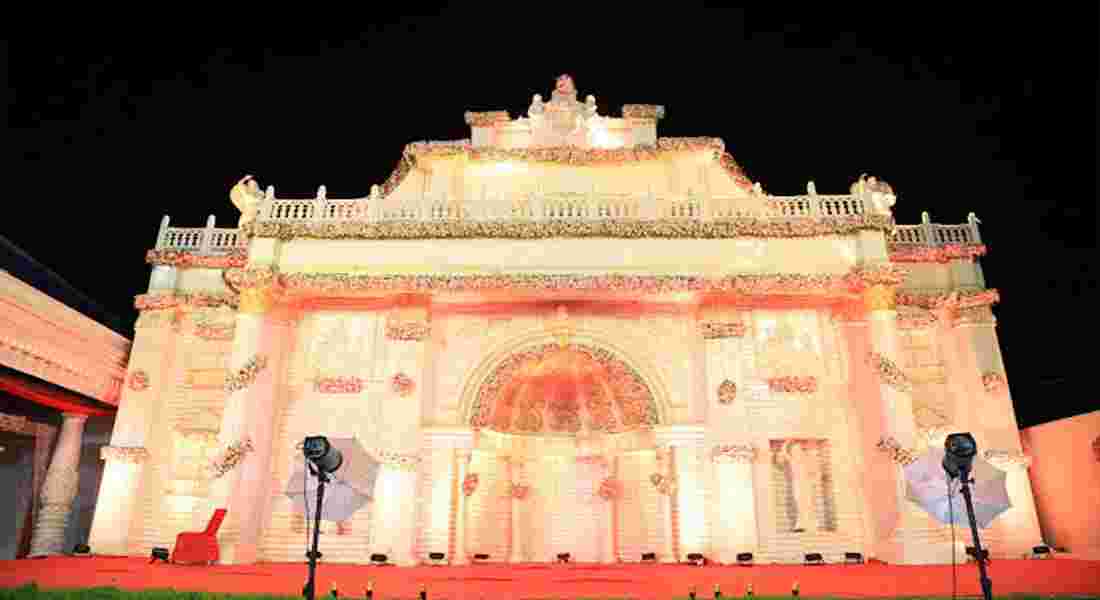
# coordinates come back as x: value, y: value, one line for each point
x: 139, y: 381
x: 733, y: 453
x: 469, y: 484
x: 338, y: 385
x: 1007, y: 458
x: 665, y: 228
x: 161, y: 301
x: 487, y: 119
x: 793, y: 385
x: 220, y: 332
x: 246, y: 374
x: 994, y: 382
x: 251, y: 277
x: 891, y: 374
x: 715, y: 330
x: 518, y: 491
x: 609, y: 489
x: 233, y: 455
x: 727, y: 392
x: 914, y: 253
x: 130, y: 455
x: 911, y: 317
x: 956, y: 300
x: 402, y: 385
x: 887, y: 274
x: 648, y: 112
x: 901, y: 456
x: 235, y: 258
x: 407, y: 331
x: 664, y: 485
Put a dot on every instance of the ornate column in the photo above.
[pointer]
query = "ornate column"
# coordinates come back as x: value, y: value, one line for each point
x: 59, y: 490
x: 243, y: 480
x: 735, y: 530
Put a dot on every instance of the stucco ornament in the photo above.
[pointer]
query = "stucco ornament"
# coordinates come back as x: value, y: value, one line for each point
x: 246, y: 196
x: 139, y: 381
x: 727, y: 392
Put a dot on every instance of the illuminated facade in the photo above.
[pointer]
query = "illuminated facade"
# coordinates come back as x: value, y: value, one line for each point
x: 564, y: 334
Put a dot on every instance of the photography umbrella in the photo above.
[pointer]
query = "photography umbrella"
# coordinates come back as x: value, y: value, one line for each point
x: 352, y: 485
x: 926, y: 485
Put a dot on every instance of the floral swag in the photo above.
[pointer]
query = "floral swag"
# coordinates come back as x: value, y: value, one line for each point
x: 716, y: 330
x: 733, y: 453
x: 233, y: 455
x: 134, y: 455
x: 727, y: 392
x: 889, y: 372
x: 407, y: 331
x: 338, y: 385
x: 469, y: 484
x: 234, y: 259
x: 793, y: 385
x: 1007, y: 458
x: 163, y: 301
x: 898, y: 454
x: 246, y: 375
x: 994, y: 382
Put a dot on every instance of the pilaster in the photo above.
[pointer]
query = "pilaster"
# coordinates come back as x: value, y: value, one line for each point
x: 734, y: 525
x: 59, y: 489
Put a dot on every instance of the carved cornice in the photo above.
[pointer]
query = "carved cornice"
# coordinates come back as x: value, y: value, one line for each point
x: 134, y: 455
x: 171, y: 300
x: 950, y: 301
x: 916, y: 253
x: 734, y: 453
x: 234, y: 259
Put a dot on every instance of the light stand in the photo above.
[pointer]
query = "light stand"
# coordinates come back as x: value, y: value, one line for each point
x: 321, y: 459
x: 309, y: 592
x: 960, y: 449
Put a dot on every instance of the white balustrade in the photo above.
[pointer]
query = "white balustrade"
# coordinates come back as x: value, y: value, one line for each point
x: 572, y: 207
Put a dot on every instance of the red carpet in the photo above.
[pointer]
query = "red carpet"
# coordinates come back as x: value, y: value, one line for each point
x: 518, y: 582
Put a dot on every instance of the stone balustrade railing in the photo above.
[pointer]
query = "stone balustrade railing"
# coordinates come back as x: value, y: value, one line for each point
x: 211, y: 240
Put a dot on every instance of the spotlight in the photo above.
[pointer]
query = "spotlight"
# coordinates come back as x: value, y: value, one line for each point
x: 563, y: 557
x: 158, y: 554
x: 379, y: 559
x: 649, y: 557
x: 959, y: 451
x: 1040, y: 552
x: 82, y: 550
x: 481, y: 557
x: 323, y: 456
x: 744, y: 558
x: 436, y: 557
x: 814, y: 558
x: 696, y: 559
x: 853, y: 558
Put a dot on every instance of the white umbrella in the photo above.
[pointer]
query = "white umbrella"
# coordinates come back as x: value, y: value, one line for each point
x: 926, y: 484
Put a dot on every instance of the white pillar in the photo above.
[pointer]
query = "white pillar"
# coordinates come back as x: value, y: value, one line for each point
x: 736, y: 530
x: 59, y: 489
x: 395, y: 524
x: 460, y: 469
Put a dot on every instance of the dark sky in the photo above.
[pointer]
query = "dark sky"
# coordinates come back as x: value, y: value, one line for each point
x: 992, y: 113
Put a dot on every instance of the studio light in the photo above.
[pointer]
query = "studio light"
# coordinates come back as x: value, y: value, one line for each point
x: 959, y: 451
x: 321, y: 453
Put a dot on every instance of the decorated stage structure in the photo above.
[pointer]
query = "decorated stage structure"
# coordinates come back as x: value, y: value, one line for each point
x: 565, y: 334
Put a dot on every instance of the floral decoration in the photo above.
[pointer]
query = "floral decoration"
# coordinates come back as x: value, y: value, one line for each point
x: 161, y: 301
x: 130, y: 455
x: 911, y: 317
x: 956, y: 300
x: 220, y: 332
x: 727, y: 392
x: 518, y: 491
x: 886, y: 274
x: 487, y: 119
x: 917, y: 253
x: 469, y: 484
x: 407, y: 331
x: 900, y: 455
x: 891, y: 374
x: 664, y: 485
x: 402, y: 385
x: 252, y: 277
x: 338, y: 385
x: 651, y: 112
x: 400, y: 462
x: 1007, y: 458
x: 736, y: 453
x: 139, y: 381
x: 609, y: 489
x: 665, y: 228
x: 235, y: 258
x: 994, y: 382
x: 246, y: 374
x: 793, y: 385
x: 233, y: 455
x: 714, y: 330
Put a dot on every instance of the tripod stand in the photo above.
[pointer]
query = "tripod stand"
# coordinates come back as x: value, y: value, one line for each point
x: 983, y: 578
x: 309, y: 591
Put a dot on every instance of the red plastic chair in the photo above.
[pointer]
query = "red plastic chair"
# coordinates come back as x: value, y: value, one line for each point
x: 199, y: 546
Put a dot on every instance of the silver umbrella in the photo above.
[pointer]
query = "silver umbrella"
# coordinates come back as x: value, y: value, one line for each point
x: 352, y: 485
x: 926, y: 484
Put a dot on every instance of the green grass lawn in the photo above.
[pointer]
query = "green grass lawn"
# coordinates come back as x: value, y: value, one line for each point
x: 32, y: 592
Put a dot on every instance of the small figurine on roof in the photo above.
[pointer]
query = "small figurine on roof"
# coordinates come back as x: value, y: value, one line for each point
x: 564, y: 86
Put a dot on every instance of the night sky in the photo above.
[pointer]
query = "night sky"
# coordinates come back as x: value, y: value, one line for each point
x: 991, y: 113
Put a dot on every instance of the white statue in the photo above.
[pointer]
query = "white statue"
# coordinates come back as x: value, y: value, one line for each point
x: 246, y: 196
x: 757, y: 189
x: 804, y: 472
x: 590, y: 107
x: 811, y: 189
x: 537, y: 108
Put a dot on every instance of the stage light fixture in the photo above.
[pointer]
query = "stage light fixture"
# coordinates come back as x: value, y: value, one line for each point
x: 321, y: 453
x: 959, y: 451
x: 649, y: 557
x: 563, y: 557
x: 973, y: 553
x: 1041, y: 552
x: 437, y: 557
x: 481, y: 557
x: 160, y: 554
x: 744, y: 558
x: 379, y: 559
x: 696, y: 559
x: 853, y: 558
x: 814, y: 558
x: 82, y: 550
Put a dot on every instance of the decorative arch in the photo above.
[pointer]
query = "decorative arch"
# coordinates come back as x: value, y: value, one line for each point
x: 644, y: 403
